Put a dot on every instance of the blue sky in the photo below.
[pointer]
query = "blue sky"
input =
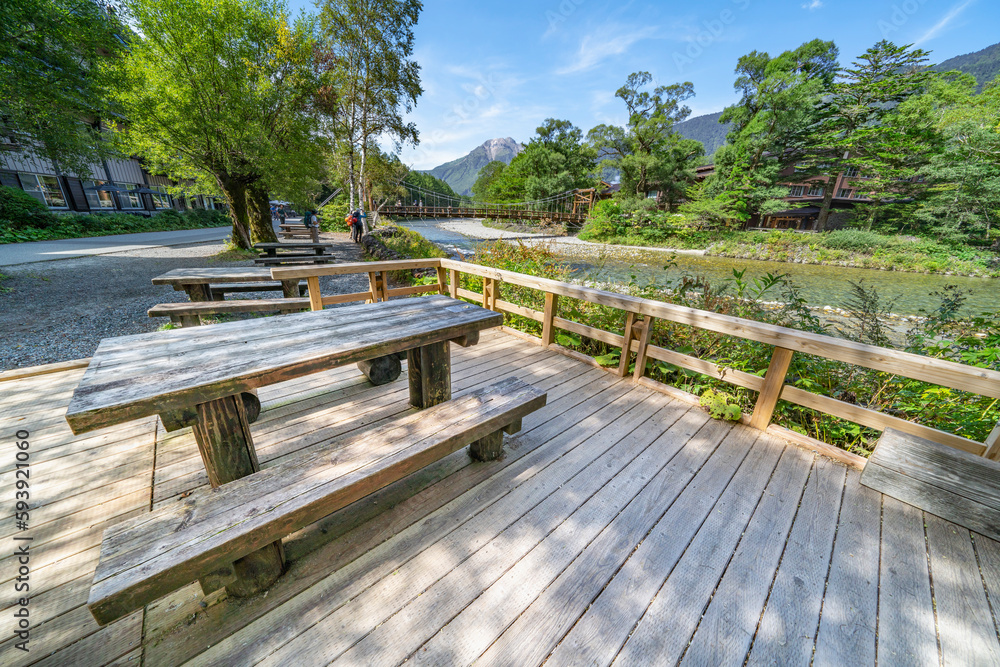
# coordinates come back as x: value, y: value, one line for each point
x: 498, y: 69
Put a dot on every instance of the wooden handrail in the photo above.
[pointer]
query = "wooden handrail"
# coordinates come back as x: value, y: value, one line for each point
x: 636, y: 338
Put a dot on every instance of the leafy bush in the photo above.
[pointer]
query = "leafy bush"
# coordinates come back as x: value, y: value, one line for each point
x: 19, y: 210
x: 854, y: 239
x: 78, y: 225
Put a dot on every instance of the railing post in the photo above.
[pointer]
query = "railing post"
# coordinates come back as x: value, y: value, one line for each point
x: 384, y: 284
x: 441, y: 279
x: 315, y: 300
x: 640, y: 356
x: 453, y: 283
x: 993, y: 444
x: 373, y: 286
x: 627, y: 345
x: 548, y: 321
x: 781, y: 358
x: 490, y: 293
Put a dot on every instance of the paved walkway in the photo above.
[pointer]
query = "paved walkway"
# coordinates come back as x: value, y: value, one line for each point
x: 44, y: 251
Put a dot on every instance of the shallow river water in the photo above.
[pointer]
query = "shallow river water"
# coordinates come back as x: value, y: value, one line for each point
x: 820, y: 285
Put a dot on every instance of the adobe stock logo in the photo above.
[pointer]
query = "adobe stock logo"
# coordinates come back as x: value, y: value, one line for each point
x: 712, y: 31
x: 900, y: 15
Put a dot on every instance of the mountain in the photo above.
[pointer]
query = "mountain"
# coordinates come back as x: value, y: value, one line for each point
x: 984, y: 65
x: 460, y: 174
x: 707, y: 129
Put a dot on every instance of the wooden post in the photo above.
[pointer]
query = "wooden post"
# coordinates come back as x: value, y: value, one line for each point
x: 290, y: 289
x: 223, y: 436
x: 548, y: 321
x: 442, y: 272
x: 781, y: 358
x: 383, y: 281
x: 453, y: 283
x: 315, y: 300
x: 430, y: 374
x: 993, y: 444
x: 627, y: 345
x: 373, y: 287
x: 488, y: 286
x: 488, y: 448
x: 381, y: 370
x: 640, y: 356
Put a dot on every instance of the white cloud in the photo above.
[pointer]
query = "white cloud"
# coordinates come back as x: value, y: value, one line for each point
x: 812, y: 6
x: 938, y: 27
x: 601, y: 45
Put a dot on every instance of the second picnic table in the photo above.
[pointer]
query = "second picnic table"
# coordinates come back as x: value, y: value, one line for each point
x: 301, y: 253
x: 212, y: 284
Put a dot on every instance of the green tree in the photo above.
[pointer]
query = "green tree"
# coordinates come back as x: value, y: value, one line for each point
x: 223, y: 87
x: 963, y: 177
x: 771, y: 126
x: 647, y: 152
x: 370, y: 46
x: 53, y: 91
x: 482, y: 189
x: 860, y: 126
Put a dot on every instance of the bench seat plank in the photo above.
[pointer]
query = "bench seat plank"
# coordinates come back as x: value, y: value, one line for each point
x: 231, y: 306
x: 957, y: 486
x: 295, y: 259
x: 156, y: 553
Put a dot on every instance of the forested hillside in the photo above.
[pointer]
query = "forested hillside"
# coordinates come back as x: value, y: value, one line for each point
x: 707, y: 129
x: 984, y: 65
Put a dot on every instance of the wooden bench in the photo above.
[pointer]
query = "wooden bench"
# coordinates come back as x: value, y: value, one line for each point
x: 957, y: 486
x: 207, y: 284
x: 200, y: 537
x: 294, y: 259
x: 190, y: 314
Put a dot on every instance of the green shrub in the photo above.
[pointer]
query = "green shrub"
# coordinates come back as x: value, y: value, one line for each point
x: 854, y: 239
x: 19, y: 210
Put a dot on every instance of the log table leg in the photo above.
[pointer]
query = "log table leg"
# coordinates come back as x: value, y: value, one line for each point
x: 289, y: 288
x: 226, y: 447
x: 430, y: 374
x: 199, y: 292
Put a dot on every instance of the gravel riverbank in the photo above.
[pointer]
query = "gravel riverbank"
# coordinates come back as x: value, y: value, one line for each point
x: 60, y: 310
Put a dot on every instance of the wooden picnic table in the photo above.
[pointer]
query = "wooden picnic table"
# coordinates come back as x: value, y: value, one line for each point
x: 194, y: 376
x: 198, y: 283
x: 271, y: 249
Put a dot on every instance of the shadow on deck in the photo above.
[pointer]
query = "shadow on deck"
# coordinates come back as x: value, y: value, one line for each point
x: 622, y: 526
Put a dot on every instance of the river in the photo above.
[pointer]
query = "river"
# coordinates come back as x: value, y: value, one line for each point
x: 819, y: 285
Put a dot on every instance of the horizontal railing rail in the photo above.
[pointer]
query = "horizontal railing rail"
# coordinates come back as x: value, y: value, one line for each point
x: 635, y: 339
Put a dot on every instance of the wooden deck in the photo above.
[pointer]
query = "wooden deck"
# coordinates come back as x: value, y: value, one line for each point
x: 622, y: 527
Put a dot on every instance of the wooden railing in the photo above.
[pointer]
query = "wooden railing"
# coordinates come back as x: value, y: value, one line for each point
x: 635, y: 339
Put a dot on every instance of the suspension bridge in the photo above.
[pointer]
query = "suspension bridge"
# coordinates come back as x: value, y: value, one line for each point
x: 570, y: 207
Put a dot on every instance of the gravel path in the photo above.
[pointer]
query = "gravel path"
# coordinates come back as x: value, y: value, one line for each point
x: 60, y: 310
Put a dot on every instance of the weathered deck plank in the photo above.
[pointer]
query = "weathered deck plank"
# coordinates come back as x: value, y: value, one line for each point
x: 906, y: 631
x: 965, y: 621
x: 787, y: 629
x: 847, y: 627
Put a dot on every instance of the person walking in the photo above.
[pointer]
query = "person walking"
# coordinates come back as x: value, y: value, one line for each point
x: 281, y: 214
x: 356, y: 226
x: 274, y: 213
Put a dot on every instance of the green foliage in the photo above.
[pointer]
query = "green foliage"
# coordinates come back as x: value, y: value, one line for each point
x: 428, y: 182
x: 19, y: 210
x: 53, y: 85
x: 485, y: 181
x: 648, y: 152
x: 984, y: 65
x: 720, y: 405
x: 79, y: 225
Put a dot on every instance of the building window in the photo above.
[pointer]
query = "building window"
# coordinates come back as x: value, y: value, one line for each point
x: 816, y: 191
x: 797, y: 191
x: 130, y: 199
x: 98, y: 199
x: 844, y: 193
x: 860, y: 195
x: 652, y: 194
x: 45, y: 189
x: 851, y: 172
x: 162, y: 199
